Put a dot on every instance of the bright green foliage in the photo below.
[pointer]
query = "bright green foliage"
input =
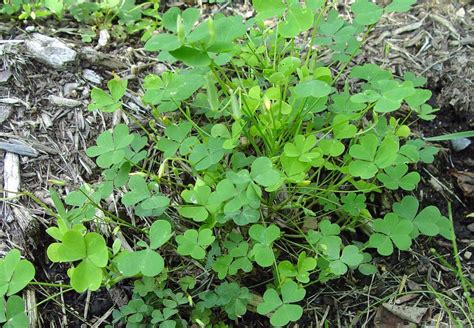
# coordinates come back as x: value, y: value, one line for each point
x: 353, y: 203
x: 109, y: 102
x: 428, y: 221
x: 262, y: 250
x: 111, y: 146
x: 326, y: 240
x: 263, y: 173
x: 371, y: 155
x: 396, y: 177
x: 350, y: 257
x: 282, y: 310
x: 366, y: 13
x: 194, y: 243
x: 301, y: 271
x: 391, y: 231
x: 147, y: 261
x: 146, y: 203
x: 90, y: 249
x: 236, y: 258
x: 400, y: 5
x: 175, y: 135
x: 15, y: 273
x: 254, y: 150
x: 12, y: 312
x: 230, y: 296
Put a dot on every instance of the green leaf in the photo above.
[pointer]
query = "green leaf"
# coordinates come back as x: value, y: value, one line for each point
x: 86, y: 276
x: 146, y: 261
x: 396, y: 177
x: 138, y: 191
x: 399, y: 6
x: 117, y: 88
x: 160, y: 233
x: 71, y: 248
x: 166, y: 42
x: 452, y: 136
x: 268, y: 8
x: 284, y: 311
x: 194, y: 243
x: 204, y: 156
x: 390, y: 230
x: 366, y: 13
x: 263, y: 173
x: 312, y: 88
x: 15, y: 315
x: 429, y: 221
x: 298, y: 20
x: 352, y: 256
x: 111, y: 146
x: 15, y: 273
x: 96, y: 249
x: 191, y: 57
x: 271, y: 301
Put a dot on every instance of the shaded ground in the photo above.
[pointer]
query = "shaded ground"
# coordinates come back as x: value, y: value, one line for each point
x: 435, y: 40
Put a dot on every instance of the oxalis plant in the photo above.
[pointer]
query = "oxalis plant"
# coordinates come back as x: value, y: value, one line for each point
x: 257, y: 173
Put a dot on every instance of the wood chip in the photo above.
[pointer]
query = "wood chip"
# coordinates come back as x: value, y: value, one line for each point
x: 410, y: 313
x: 11, y: 174
x: 17, y: 147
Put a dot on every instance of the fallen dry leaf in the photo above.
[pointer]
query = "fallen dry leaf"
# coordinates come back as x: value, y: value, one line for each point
x: 465, y: 182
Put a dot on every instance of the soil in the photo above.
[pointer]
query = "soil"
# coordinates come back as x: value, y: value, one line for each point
x: 440, y: 51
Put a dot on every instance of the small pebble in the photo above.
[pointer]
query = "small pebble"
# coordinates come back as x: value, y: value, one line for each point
x: 460, y: 143
x: 70, y: 88
x: 467, y: 255
x: 91, y: 76
x: 104, y: 37
x: 49, y: 51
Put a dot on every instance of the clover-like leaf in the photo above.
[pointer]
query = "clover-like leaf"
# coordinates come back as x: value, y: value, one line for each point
x: 146, y: 261
x: 93, y: 252
x: 312, y: 88
x: 263, y: 172
x: 353, y: 203
x: 194, y: 243
x: 262, y: 250
x: 428, y: 221
x: 396, y: 177
x: 160, y: 233
x: 12, y: 313
x: 111, y: 146
x: 106, y: 102
x: 391, y: 230
x: 366, y: 13
x: 370, y: 155
x: 283, y: 310
x: 15, y: 273
x: 399, y: 6
x: 204, y: 156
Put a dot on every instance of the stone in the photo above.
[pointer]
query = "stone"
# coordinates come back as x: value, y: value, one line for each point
x: 49, y: 51
x: 460, y: 143
x: 69, y: 89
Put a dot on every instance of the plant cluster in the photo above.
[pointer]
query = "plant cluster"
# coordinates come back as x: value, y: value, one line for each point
x: 122, y: 17
x: 260, y: 167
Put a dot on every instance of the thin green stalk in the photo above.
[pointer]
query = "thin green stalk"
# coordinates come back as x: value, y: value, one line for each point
x: 464, y: 283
